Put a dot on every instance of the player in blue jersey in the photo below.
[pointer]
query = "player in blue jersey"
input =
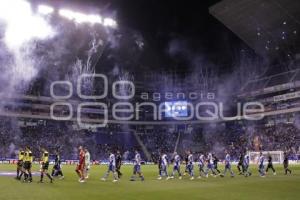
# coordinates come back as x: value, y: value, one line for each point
x: 227, y: 165
x: 246, y: 164
x: 111, y: 168
x: 190, y: 165
x: 201, y: 165
x: 261, y: 166
x: 163, y: 167
x: 137, y: 167
x: 176, y: 167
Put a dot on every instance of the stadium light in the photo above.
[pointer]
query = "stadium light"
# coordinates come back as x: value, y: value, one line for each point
x: 83, y: 18
x: 45, y: 10
x: 109, y: 22
x: 67, y: 14
x: 80, y: 17
x: 95, y: 19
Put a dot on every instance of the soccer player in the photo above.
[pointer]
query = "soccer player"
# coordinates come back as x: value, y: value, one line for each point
x: 87, y: 168
x: 45, y: 166
x: 190, y: 165
x: 137, y: 167
x: 186, y: 159
x: 215, y: 163
x: 176, y: 167
x: 119, y: 164
x: 270, y: 164
x: 159, y: 161
x: 81, y: 165
x: 240, y: 164
x: 28, y: 158
x: 164, y: 167
x: 57, y: 171
x: 227, y: 165
x: 286, y: 164
x: 210, y: 165
x: 111, y: 168
x: 20, y: 163
x: 246, y: 164
x: 261, y: 166
x: 201, y: 166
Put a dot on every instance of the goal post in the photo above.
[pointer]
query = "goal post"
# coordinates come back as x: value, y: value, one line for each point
x: 276, y: 155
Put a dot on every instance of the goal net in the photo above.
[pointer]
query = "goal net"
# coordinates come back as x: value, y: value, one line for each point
x: 276, y: 155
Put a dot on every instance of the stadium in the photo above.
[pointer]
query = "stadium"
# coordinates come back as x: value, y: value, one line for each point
x: 149, y: 99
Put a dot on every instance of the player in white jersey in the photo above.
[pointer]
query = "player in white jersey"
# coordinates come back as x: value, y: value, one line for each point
x: 137, y: 167
x: 201, y: 165
x: 261, y: 166
x: 164, y: 167
x: 246, y: 164
x: 210, y: 165
x: 87, y: 163
x: 227, y: 165
x: 176, y: 167
x: 190, y: 165
x: 111, y: 168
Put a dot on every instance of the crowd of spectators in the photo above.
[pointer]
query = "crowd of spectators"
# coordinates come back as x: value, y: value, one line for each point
x: 62, y: 137
x: 284, y: 137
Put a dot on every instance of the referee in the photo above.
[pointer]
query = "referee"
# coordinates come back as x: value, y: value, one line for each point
x: 118, y: 164
x: 45, y: 166
x: 270, y: 164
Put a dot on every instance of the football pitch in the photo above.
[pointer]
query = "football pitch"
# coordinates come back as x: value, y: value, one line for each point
x: 279, y: 187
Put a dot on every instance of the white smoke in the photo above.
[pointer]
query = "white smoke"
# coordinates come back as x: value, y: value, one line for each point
x: 22, y: 28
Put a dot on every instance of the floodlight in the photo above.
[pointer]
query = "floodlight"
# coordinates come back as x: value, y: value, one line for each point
x: 109, y: 22
x: 45, y: 10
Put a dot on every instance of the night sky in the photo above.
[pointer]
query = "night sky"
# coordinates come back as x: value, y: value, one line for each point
x: 162, y: 21
x: 189, y: 22
x: 159, y: 24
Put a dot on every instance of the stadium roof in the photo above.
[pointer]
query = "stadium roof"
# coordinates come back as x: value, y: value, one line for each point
x: 274, y: 80
x: 269, y: 27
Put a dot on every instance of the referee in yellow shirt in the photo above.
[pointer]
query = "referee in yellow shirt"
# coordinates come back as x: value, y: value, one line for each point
x: 45, y: 166
x: 28, y: 158
x: 20, y: 163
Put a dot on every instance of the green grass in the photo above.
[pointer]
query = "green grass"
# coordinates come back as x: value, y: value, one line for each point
x: 279, y: 187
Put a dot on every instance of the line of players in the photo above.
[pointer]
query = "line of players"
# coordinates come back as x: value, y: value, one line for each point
x: 25, y: 159
x: 209, y: 165
x: 206, y: 165
x: 114, y: 166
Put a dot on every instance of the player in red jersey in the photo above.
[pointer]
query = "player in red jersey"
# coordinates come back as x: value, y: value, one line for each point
x: 81, y: 165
